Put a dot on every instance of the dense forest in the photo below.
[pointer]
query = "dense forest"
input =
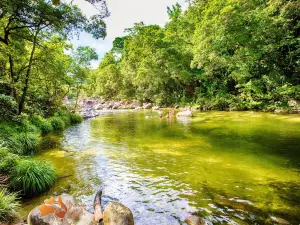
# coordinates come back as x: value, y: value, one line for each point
x: 230, y: 54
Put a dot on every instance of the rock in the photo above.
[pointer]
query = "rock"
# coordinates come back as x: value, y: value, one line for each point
x: 279, y: 220
x: 194, y: 220
x: 138, y: 108
x: 155, y: 107
x: 293, y: 103
x: 281, y: 111
x: 60, y: 211
x: 117, y: 214
x: 98, y: 107
x: 115, y: 106
x: 186, y: 113
x: 147, y: 106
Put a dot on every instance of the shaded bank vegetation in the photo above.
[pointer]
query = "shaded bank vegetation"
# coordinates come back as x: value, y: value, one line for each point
x: 236, y: 55
x: 38, y: 68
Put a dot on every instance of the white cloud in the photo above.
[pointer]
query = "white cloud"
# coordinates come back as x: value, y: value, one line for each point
x: 124, y: 13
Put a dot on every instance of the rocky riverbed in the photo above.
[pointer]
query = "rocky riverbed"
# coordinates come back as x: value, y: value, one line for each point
x: 93, y: 108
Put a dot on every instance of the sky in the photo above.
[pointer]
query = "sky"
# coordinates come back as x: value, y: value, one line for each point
x: 123, y: 14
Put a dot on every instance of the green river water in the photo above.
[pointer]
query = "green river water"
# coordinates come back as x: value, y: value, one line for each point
x: 228, y: 167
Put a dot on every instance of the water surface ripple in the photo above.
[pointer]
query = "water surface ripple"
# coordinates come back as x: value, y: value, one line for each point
x: 231, y: 168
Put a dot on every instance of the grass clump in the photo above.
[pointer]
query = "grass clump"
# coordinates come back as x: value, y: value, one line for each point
x: 7, y: 160
x: 8, y: 205
x: 24, y: 143
x: 44, y: 125
x: 75, y: 118
x: 57, y: 123
x: 32, y: 177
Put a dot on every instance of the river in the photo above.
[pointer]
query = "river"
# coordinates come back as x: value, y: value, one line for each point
x: 228, y: 167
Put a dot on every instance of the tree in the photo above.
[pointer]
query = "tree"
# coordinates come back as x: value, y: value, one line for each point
x: 27, y: 25
x: 81, y: 62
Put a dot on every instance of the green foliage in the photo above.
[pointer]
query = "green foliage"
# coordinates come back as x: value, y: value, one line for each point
x: 7, y: 160
x: 24, y: 143
x: 43, y: 124
x: 46, y: 127
x: 75, y: 118
x: 221, y: 54
x: 35, y: 69
x: 8, y: 108
x: 57, y: 123
x: 8, y: 204
x: 32, y: 177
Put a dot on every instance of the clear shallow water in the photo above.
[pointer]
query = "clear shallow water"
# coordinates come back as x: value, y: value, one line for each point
x: 229, y: 167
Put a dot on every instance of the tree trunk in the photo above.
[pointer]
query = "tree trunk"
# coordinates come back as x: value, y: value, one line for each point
x: 25, y: 88
x: 77, y: 95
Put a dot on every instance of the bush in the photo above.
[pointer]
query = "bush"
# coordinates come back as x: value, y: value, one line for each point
x: 27, y: 126
x: 57, y: 123
x: 64, y: 115
x: 46, y: 127
x: 43, y: 124
x: 8, y: 108
x: 8, y: 205
x: 24, y: 143
x: 7, y: 160
x: 32, y: 177
x: 75, y: 118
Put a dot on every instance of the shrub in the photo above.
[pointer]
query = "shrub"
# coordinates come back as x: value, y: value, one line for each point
x: 8, y: 205
x: 75, y: 118
x: 46, y: 127
x: 43, y: 124
x: 27, y: 126
x: 32, y: 177
x: 7, y: 160
x: 24, y: 143
x: 8, y: 108
x: 57, y: 123
x: 64, y: 115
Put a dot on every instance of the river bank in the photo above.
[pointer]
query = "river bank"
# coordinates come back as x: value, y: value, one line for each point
x: 22, y: 176
x: 89, y: 108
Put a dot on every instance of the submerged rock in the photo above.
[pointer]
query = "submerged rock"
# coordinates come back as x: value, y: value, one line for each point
x: 186, y: 113
x: 117, y: 214
x: 147, y: 106
x: 279, y: 220
x: 194, y: 220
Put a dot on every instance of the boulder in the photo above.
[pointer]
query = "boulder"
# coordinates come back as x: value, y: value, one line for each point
x: 60, y: 211
x: 116, y: 106
x: 194, y: 220
x: 98, y: 107
x: 186, y: 113
x: 155, y: 107
x: 138, y: 108
x: 117, y: 214
x: 293, y: 103
x: 147, y: 106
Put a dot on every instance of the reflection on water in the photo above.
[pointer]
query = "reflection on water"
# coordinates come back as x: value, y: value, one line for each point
x: 237, y: 168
